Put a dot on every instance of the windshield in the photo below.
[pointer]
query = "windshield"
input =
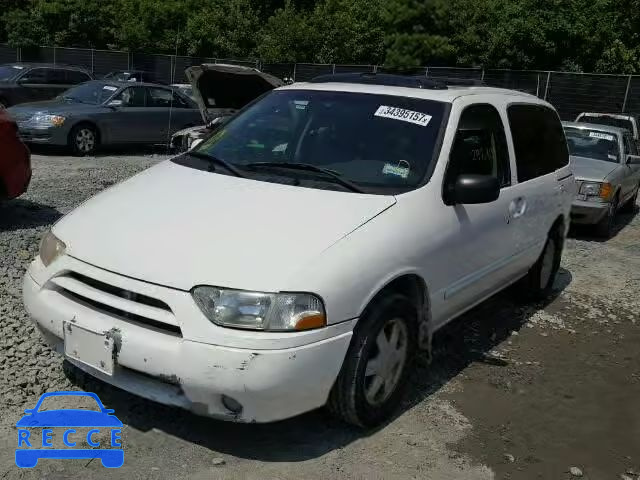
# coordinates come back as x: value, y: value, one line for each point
x: 94, y: 93
x: 608, y: 120
x: 373, y: 141
x: 8, y: 72
x: 592, y: 144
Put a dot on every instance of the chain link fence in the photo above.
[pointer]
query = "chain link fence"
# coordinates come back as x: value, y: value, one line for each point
x: 570, y: 93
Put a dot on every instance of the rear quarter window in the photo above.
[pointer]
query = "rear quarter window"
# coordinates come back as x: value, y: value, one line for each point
x: 74, y: 77
x: 538, y: 139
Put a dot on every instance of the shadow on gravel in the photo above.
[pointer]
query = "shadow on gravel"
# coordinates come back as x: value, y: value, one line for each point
x: 587, y: 232
x: 18, y: 214
x: 471, y: 337
x: 466, y: 340
x: 52, y: 150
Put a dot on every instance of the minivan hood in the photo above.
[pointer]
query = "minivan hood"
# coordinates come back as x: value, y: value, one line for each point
x: 221, y: 89
x: 591, y: 169
x: 181, y: 227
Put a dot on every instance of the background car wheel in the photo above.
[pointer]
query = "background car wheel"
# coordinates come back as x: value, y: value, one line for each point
x: 538, y: 282
x: 630, y: 206
x: 604, y: 228
x: 83, y: 139
x: 3, y: 104
x: 373, y: 375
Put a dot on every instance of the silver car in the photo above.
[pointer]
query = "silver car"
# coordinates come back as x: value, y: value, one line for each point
x: 606, y: 166
x: 104, y: 112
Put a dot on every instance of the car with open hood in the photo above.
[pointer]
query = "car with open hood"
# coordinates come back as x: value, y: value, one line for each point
x: 221, y: 90
x: 303, y: 252
x: 606, y: 165
x: 105, y: 112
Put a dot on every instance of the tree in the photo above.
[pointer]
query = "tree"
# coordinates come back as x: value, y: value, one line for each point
x: 286, y: 37
x: 417, y: 33
x: 223, y: 28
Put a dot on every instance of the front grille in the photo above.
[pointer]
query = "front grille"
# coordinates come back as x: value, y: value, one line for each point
x: 119, y: 292
x: 123, y: 314
x: 119, y: 302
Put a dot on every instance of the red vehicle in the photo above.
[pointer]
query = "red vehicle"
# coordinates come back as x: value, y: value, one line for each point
x: 15, y: 160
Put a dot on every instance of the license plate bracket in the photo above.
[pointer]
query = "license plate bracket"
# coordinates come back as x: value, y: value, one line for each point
x: 91, y: 348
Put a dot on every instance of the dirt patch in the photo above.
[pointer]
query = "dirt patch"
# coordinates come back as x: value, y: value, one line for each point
x: 567, y: 392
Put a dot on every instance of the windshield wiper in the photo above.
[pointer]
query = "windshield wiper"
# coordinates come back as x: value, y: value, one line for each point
x: 333, y: 176
x: 217, y: 161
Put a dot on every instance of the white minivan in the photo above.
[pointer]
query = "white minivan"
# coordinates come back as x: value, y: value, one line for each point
x: 306, y: 250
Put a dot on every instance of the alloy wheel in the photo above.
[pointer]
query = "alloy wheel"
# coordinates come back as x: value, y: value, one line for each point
x: 85, y: 140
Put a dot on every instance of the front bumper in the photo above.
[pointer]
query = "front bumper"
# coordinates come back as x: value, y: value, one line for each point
x: 275, y: 376
x: 44, y: 136
x: 583, y: 212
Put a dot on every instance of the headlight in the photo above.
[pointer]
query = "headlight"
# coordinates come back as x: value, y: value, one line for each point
x: 597, y: 189
x: 51, y: 248
x: 260, y: 311
x: 590, y: 189
x: 48, y: 120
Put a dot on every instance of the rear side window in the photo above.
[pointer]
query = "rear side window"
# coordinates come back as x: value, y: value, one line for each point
x: 74, y: 77
x: 538, y: 139
x: 56, y: 76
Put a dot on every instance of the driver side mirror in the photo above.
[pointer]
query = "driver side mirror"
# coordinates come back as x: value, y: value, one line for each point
x: 633, y: 160
x: 115, y: 103
x: 474, y: 189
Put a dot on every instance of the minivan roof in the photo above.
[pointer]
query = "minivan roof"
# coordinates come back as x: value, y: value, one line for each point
x: 447, y: 95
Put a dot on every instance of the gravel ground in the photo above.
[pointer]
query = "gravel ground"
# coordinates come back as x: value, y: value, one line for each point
x: 536, y: 391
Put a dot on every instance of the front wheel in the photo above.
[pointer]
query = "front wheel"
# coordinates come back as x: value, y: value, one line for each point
x: 373, y: 375
x: 630, y: 206
x: 83, y: 140
x: 604, y: 228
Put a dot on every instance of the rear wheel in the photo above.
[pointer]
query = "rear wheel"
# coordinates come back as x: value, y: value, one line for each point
x: 373, y: 375
x: 83, y: 139
x: 538, y: 282
x: 604, y: 228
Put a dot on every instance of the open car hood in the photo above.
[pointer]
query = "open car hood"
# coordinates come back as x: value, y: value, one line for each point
x: 221, y: 89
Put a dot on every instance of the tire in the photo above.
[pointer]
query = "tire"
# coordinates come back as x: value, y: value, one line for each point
x: 538, y: 282
x: 360, y: 396
x: 630, y: 206
x: 83, y: 139
x: 604, y: 228
x: 3, y: 104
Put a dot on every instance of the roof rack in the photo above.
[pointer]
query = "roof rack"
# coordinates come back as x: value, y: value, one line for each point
x: 409, y: 81
x: 460, y: 82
